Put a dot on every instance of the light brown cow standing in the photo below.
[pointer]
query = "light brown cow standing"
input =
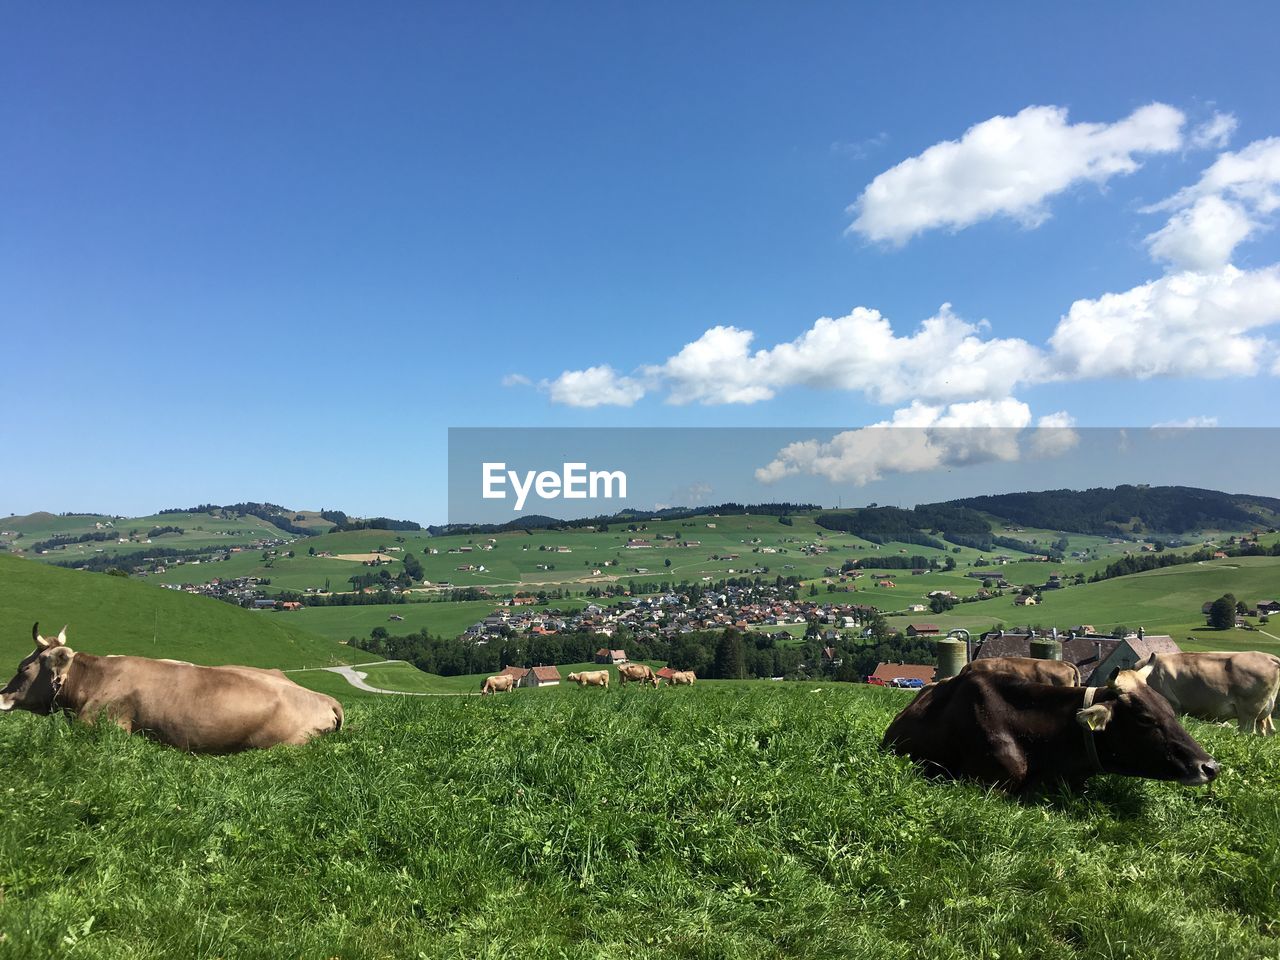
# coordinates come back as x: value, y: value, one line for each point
x: 502, y: 683
x: 636, y: 673
x: 1240, y: 686
x: 682, y: 678
x: 591, y: 678
x: 1059, y: 673
x: 201, y: 709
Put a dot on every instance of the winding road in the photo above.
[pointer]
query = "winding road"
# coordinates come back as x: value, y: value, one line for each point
x: 353, y: 676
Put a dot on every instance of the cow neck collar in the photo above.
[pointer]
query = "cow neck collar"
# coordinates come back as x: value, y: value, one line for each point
x: 1090, y: 744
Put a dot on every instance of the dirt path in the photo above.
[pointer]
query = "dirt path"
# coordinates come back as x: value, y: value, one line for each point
x: 353, y: 676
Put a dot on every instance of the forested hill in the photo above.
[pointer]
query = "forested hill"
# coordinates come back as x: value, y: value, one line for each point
x: 1126, y: 509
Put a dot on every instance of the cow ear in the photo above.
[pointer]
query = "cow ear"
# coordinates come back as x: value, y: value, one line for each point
x: 1096, y: 717
x: 1126, y: 681
x: 62, y: 635
x: 59, y: 660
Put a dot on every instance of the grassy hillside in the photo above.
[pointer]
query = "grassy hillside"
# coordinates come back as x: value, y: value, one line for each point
x: 717, y: 822
x: 1167, y: 601
x: 1161, y: 601
x: 114, y: 615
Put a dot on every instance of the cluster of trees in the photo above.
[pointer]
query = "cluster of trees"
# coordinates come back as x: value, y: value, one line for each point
x: 602, y: 522
x: 1141, y: 562
x: 1114, y: 511
x: 881, y: 525
x: 1223, y: 611
x: 101, y: 562
x: 63, y: 539
x: 727, y: 655
x: 342, y: 522
x: 899, y: 562
x: 161, y: 531
x: 712, y: 654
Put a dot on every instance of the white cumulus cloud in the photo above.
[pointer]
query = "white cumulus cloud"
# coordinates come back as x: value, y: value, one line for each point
x: 594, y: 387
x: 915, y: 439
x: 1053, y: 436
x: 945, y: 359
x: 1228, y: 205
x: 1190, y: 423
x: 1214, y: 133
x: 1008, y: 166
x: 1202, y: 236
x: 1181, y: 325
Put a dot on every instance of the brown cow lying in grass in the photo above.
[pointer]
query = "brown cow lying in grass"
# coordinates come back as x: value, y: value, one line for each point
x: 201, y: 709
x: 682, y: 678
x: 502, y: 683
x: 591, y: 678
x: 636, y: 673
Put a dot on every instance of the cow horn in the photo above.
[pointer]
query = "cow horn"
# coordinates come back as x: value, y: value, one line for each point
x: 35, y: 635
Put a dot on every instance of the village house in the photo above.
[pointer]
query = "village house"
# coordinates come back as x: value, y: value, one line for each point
x: 540, y: 677
x: 923, y: 630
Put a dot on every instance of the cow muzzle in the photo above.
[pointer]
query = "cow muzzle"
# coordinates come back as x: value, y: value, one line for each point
x: 6, y: 702
x: 1206, y: 773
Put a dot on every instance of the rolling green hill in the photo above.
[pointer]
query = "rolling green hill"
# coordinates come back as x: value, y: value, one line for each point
x: 116, y: 615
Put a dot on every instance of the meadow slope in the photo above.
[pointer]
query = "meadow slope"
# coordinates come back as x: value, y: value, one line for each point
x: 719, y: 821
x: 114, y: 615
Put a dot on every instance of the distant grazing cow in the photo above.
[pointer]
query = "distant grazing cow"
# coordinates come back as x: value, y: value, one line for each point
x: 1218, y: 686
x: 637, y: 673
x: 591, y: 678
x: 682, y: 678
x: 1061, y: 673
x: 503, y: 683
x: 201, y: 709
x: 1002, y: 731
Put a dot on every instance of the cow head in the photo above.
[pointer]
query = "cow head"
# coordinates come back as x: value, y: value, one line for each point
x: 1137, y: 735
x: 40, y: 676
x: 573, y: 677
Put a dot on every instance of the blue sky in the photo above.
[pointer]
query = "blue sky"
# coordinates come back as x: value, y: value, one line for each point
x: 254, y: 252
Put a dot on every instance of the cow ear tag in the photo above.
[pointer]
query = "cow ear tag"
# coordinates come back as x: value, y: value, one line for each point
x: 1094, y: 718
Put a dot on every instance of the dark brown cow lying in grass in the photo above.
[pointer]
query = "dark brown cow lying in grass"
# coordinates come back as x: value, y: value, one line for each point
x: 201, y: 709
x: 1020, y: 736
x: 636, y: 673
x: 1060, y: 673
x: 502, y: 683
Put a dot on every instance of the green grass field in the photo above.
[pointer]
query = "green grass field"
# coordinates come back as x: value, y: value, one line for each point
x: 199, y: 530
x: 735, y: 821
x: 115, y: 615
